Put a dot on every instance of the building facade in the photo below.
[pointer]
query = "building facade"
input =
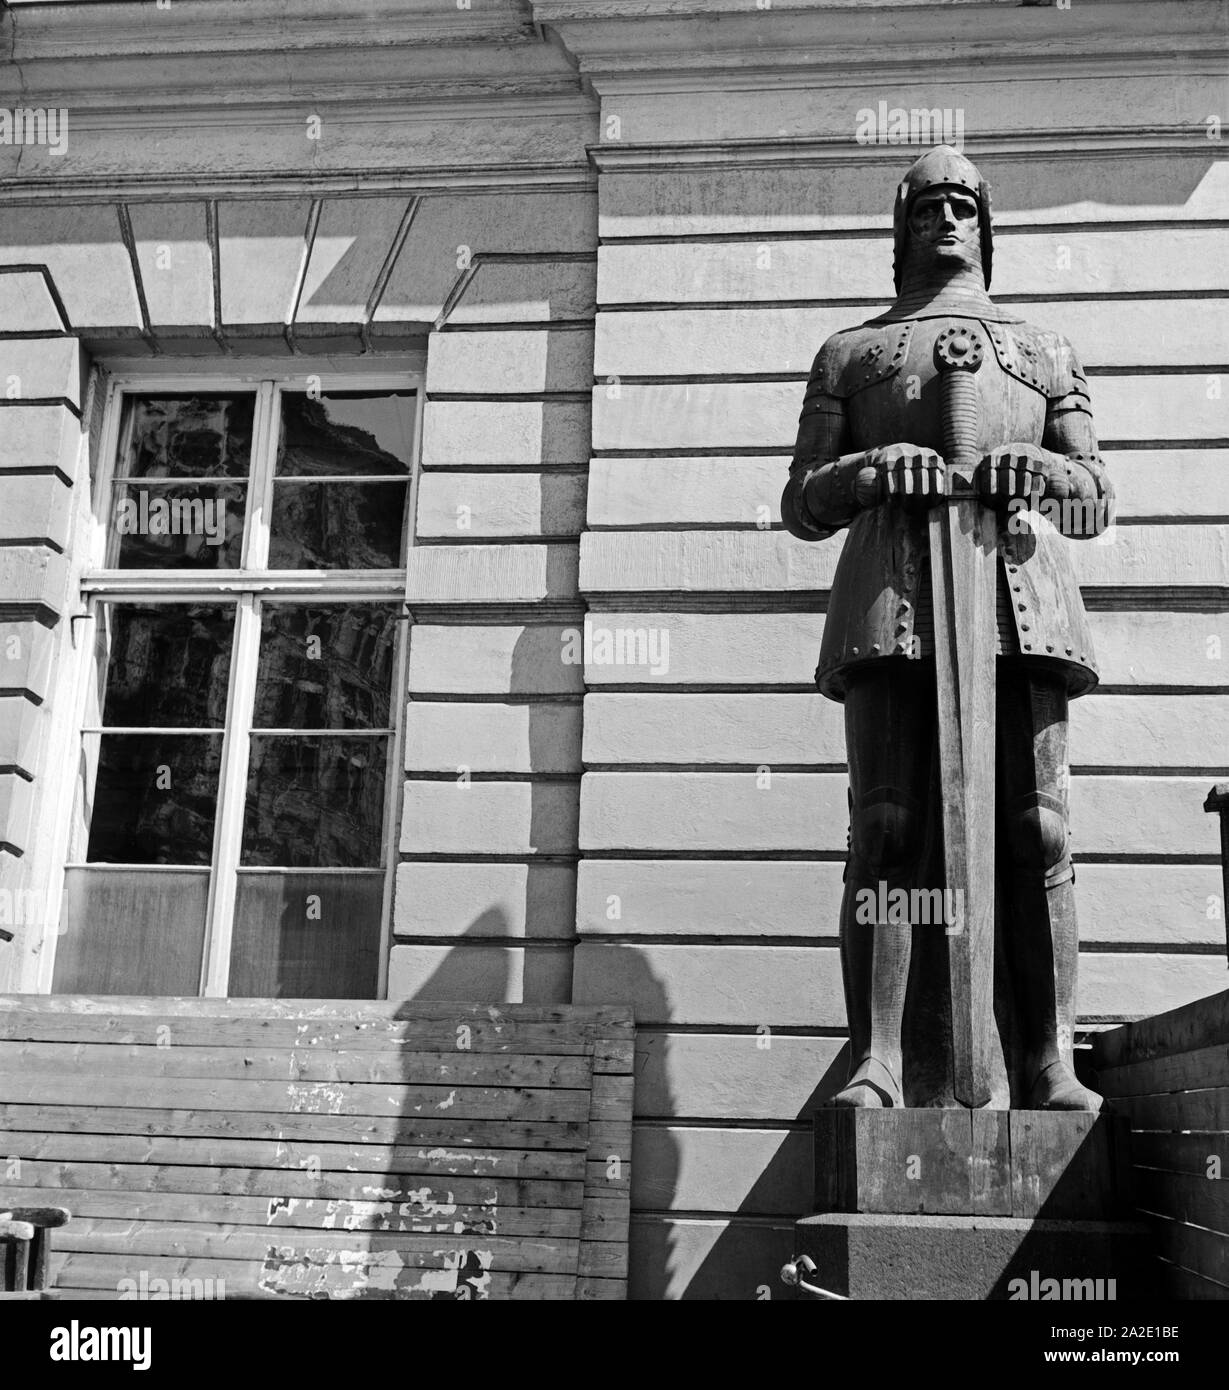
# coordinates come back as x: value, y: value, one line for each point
x: 393, y: 598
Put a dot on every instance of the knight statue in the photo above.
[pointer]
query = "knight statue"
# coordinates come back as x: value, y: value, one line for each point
x: 874, y: 436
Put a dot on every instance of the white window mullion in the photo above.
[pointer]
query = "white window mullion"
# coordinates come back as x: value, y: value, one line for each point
x: 232, y: 797
x: 265, y: 432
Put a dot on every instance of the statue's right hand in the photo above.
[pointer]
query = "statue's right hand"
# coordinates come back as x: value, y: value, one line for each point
x: 904, y: 473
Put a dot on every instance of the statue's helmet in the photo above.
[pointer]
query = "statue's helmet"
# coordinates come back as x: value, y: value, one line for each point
x: 941, y: 165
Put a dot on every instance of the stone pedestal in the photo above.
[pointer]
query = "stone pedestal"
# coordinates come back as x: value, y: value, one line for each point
x: 975, y: 1204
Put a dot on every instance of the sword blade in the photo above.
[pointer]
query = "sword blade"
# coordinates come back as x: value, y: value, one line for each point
x: 963, y: 559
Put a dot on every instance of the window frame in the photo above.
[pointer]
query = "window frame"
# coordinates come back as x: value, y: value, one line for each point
x: 246, y: 590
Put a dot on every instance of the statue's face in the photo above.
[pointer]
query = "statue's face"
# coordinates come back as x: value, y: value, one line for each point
x: 944, y: 229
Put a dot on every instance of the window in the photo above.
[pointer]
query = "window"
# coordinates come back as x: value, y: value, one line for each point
x: 234, y: 819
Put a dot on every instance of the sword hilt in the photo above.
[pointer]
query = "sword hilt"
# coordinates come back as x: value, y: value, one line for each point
x: 959, y: 353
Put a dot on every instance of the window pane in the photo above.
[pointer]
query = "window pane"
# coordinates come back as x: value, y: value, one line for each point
x: 357, y: 432
x: 179, y: 526
x: 306, y: 936
x: 169, y: 665
x: 315, y: 802
x: 131, y: 931
x: 325, y: 666
x: 155, y: 798
x: 353, y: 526
x: 197, y: 436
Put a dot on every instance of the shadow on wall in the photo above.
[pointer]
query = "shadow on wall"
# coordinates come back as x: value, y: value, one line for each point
x: 744, y: 1261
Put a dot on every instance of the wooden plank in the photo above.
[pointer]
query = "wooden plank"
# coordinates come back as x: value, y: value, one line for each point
x: 614, y: 1058
x: 200, y: 1279
x: 937, y: 1162
x: 466, y: 1032
x: 157, y: 1154
x: 602, y: 1260
x: 1068, y: 1165
x: 346, y: 1015
x: 311, y: 1128
x: 1181, y: 1283
x: 454, y: 1156
x: 1102, y: 260
x: 338, y: 1185
x: 1201, y: 1154
x: 1185, y: 1110
x: 453, y: 1068
x: 278, y: 1249
x: 235, y: 1097
x: 1203, y: 1067
x: 1205, y: 1253
x: 427, y: 1213
x: 604, y: 1178
x: 594, y: 1288
x: 611, y: 1098
x: 1202, y: 1023
x: 1195, y: 1201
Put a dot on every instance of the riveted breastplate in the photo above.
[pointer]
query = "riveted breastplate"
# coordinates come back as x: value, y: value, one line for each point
x: 890, y: 383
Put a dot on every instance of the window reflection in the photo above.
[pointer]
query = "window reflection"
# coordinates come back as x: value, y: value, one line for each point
x: 325, y: 666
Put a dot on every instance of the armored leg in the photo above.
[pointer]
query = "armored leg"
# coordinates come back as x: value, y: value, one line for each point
x: 889, y: 714
x: 1042, y: 933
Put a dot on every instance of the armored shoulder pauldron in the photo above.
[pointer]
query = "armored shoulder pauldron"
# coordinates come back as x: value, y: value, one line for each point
x: 868, y: 356
x: 1031, y: 356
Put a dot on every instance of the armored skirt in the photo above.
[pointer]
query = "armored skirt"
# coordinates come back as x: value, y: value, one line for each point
x: 880, y: 601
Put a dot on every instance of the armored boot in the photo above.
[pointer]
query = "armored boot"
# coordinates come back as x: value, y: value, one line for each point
x: 1042, y: 934
x: 888, y: 715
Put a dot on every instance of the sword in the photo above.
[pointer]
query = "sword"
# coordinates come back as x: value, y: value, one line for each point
x: 963, y: 570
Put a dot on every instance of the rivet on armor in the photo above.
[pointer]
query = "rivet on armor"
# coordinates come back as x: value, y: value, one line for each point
x: 1049, y: 646
x: 1023, y: 627
x: 854, y: 650
x: 875, y: 647
x: 1023, y: 607
x: 1068, y: 651
x: 1028, y: 646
